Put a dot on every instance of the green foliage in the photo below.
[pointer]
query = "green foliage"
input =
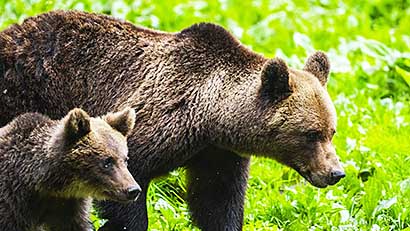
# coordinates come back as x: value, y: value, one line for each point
x: 367, y: 42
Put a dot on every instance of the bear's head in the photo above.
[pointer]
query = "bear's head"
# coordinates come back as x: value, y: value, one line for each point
x: 289, y: 116
x: 93, y: 153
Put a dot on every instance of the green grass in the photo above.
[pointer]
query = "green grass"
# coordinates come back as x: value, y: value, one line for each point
x: 368, y: 44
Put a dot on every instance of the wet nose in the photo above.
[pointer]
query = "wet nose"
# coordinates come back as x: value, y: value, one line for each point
x: 133, y: 192
x: 336, y: 176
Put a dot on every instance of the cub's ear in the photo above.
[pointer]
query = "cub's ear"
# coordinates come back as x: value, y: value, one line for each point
x: 76, y: 124
x: 275, y: 80
x: 122, y: 121
x: 318, y: 64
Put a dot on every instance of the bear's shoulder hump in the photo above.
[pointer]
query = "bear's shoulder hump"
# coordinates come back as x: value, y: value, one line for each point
x: 211, y: 33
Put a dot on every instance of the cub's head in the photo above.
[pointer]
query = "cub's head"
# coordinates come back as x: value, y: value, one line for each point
x: 94, y: 154
x: 288, y: 116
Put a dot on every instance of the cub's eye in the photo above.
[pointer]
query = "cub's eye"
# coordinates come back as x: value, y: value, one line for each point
x: 108, y: 163
x: 314, y: 136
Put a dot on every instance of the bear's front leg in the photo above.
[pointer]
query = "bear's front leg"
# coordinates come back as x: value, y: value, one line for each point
x: 130, y: 216
x: 216, y: 189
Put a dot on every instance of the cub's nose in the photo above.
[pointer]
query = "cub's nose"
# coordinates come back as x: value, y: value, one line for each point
x: 336, y: 176
x: 133, y: 192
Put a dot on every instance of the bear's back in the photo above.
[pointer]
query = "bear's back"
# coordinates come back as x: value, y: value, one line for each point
x: 20, y: 128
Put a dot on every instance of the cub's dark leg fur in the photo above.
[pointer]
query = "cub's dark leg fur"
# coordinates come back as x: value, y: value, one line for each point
x: 132, y: 216
x: 67, y: 215
x: 216, y: 189
x: 71, y: 225
x: 12, y: 215
x: 10, y: 224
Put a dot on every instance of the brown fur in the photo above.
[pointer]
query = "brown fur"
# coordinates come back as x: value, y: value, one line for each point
x: 49, y: 170
x: 203, y: 101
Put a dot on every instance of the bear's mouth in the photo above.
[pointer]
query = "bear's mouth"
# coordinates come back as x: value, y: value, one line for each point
x: 315, y: 181
x: 117, y: 196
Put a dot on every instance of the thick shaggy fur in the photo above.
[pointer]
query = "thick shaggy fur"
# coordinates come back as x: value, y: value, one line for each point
x: 201, y: 99
x: 49, y: 170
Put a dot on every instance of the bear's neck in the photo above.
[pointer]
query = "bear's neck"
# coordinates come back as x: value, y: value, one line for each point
x: 237, y: 112
x: 43, y: 162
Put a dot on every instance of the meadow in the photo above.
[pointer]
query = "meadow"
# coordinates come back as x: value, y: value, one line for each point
x: 368, y: 45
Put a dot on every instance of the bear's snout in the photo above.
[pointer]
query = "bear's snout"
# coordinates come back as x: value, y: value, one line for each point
x: 335, y: 176
x: 322, y: 179
x: 133, y: 192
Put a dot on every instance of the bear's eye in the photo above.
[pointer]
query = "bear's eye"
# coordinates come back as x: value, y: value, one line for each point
x: 314, y: 136
x: 108, y: 163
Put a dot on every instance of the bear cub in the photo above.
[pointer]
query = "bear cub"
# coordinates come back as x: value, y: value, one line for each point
x: 50, y: 169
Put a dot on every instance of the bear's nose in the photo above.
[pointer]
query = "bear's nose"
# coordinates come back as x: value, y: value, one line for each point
x: 133, y: 192
x: 336, y: 176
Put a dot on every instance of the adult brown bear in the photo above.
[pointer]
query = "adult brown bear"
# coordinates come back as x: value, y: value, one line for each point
x: 203, y: 101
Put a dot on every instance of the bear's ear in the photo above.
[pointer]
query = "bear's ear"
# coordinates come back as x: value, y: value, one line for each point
x: 318, y: 64
x: 76, y: 125
x: 122, y: 121
x: 275, y: 80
